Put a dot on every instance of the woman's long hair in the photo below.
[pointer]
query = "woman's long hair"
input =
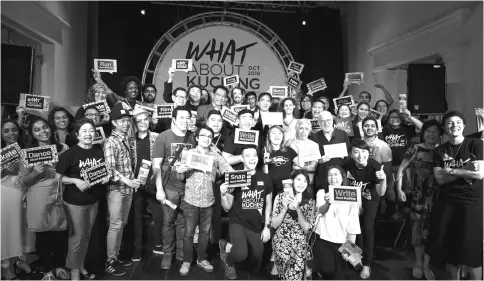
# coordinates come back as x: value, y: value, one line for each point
x: 91, y: 93
x: 32, y: 142
x: 268, y: 141
x: 307, y: 194
x: 295, y: 112
x: 20, y: 140
x: 70, y: 126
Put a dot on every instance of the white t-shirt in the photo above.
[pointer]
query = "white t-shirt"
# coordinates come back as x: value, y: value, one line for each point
x: 339, y: 221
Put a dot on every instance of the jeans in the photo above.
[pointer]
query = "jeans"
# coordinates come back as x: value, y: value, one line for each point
x: 196, y: 216
x: 140, y: 201
x: 173, y: 221
x: 80, y: 220
x: 366, y: 241
x: 242, y: 240
x: 51, y: 248
x: 118, y: 208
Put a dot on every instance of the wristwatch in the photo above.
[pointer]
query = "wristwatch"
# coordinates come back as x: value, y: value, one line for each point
x: 268, y: 225
x: 451, y: 172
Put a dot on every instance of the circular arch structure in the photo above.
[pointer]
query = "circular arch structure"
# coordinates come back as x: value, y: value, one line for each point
x: 199, y: 21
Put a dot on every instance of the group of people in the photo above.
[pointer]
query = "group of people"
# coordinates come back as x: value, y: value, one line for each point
x: 396, y: 161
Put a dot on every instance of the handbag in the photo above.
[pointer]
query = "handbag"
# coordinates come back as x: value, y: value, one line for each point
x: 45, y: 207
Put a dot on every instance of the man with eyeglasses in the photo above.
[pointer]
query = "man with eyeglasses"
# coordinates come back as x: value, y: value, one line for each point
x: 143, y: 150
x: 328, y: 135
x: 121, y: 186
x: 199, y: 200
x: 179, y: 98
x: 218, y: 103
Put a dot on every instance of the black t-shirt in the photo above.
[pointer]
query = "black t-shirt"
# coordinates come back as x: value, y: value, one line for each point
x: 460, y: 190
x: 365, y: 178
x: 280, y: 166
x: 248, y: 206
x: 236, y: 149
x: 71, y: 163
x: 399, y: 140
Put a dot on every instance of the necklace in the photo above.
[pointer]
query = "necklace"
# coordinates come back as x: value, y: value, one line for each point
x: 450, y: 147
x: 285, y: 122
x: 218, y: 139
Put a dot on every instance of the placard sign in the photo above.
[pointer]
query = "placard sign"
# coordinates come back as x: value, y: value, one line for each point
x: 402, y: 100
x: 294, y: 83
x: 34, y: 102
x: 315, y: 124
x: 375, y: 114
x: 278, y: 91
x: 272, y: 118
x: 231, y: 80
x: 101, y: 106
x: 344, y: 124
x: 238, y: 178
x: 150, y: 110
x: 99, y: 136
x: 346, y: 100
x: 295, y: 67
x: 238, y: 108
x: 354, y: 77
x: 42, y: 154
x: 164, y: 110
x: 246, y: 137
x: 10, y: 153
x: 229, y: 115
x: 185, y: 65
x: 96, y: 174
x: 105, y: 65
x: 199, y: 161
x: 338, y: 150
x: 316, y: 86
x: 347, y: 195
x: 287, y: 187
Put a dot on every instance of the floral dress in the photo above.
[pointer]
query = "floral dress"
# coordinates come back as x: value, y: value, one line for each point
x: 423, y: 190
x: 289, y: 242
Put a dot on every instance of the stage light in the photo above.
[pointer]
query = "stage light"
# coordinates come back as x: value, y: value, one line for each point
x: 143, y: 12
x: 303, y: 22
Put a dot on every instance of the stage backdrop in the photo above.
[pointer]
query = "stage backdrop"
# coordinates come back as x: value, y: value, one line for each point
x: 219, y: 51
x: 127, y: 36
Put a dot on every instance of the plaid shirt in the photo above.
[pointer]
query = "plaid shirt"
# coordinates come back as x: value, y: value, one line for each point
x: 118, y: 160
x: 199, y: 185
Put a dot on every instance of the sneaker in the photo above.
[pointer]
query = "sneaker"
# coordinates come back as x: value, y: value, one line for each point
x: 230, y: 272
x: 157, y: 250
x: 136, y: 258
x: 166, y: 262
x: 114, y: 268
x: 222, y: 244
x: 417, y: 273
x: 62, y: 273
x: 185, y: 269
x: 429, y: 275
x: 205, y: 265
x: 125, y: 263
x: 49, y: 276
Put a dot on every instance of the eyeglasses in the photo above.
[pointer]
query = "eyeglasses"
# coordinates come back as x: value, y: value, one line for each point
x: 92, y: 115
x: 206, y: 136
x: 180, y: 98
x: 123, y: 121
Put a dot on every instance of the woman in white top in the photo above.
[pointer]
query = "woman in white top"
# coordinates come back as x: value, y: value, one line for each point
x: 336, y: 223
x: 307, y: 150
x: 288, y: 108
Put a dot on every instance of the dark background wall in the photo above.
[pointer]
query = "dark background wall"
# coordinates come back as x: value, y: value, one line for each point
x: 127, y: 36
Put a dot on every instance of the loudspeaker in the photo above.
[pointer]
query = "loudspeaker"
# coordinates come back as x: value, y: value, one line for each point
x: 426, y: 88
x: 17, y: 72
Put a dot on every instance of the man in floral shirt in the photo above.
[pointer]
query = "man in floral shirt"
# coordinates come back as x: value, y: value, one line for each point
x: 199, y: 199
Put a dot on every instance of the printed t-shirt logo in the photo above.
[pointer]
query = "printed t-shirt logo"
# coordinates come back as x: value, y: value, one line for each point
x: 88, y: 163
x: 279, y: 160
x: 365, y: 193
x: 253, y: 200
x: 396, y: 140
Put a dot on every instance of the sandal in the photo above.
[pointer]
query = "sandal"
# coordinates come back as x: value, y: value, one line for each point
x: 87, y: 276
x: 62, y: 273
x: 365, y: 276
x: 23, y: 265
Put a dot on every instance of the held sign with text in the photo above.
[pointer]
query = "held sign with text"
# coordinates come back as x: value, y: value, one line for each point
x: 96, y: 174
x: 237, y: 178
x: 10, y: 153
x: 42, y: 154
x: 217, y: 52
x: 246, y: 137
x: 348, y: 195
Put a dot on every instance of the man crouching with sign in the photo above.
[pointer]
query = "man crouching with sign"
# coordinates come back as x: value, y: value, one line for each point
x: 85, y: 184
x: 199, y: 196
x: 248, y: 228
